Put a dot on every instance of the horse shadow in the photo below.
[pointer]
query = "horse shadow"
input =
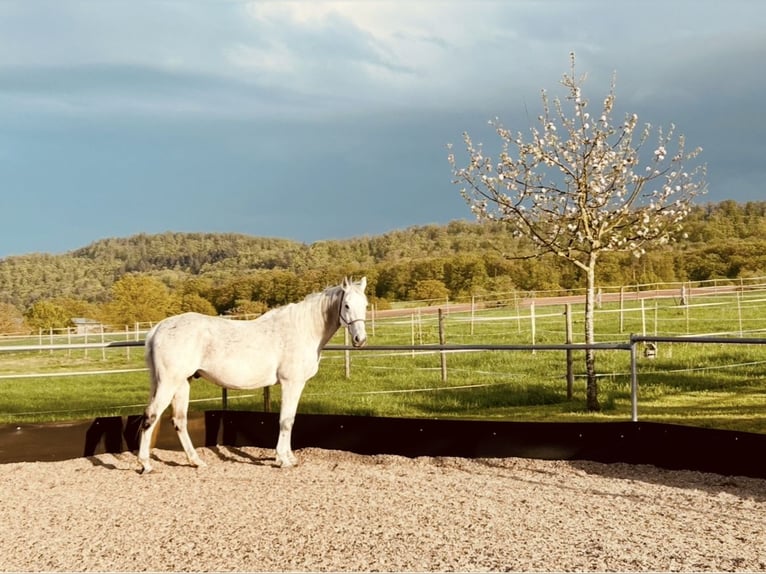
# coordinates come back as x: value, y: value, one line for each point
x: 96, y: 461
x: 115, y: 435
x: 234, y: 454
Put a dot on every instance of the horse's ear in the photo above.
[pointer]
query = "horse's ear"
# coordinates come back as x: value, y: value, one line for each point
x: 345, y: 284
x: 363, y: 283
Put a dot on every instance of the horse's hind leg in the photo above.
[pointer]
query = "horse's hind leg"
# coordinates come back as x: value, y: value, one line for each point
x: 180, y: 409
x: 159, y: 402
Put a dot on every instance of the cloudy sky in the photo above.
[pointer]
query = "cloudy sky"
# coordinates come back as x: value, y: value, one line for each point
x: 326, y: 120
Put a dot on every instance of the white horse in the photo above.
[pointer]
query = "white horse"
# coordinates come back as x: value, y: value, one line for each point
x: 281, y: 346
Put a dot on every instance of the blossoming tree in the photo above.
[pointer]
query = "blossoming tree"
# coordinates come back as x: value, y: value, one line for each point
x: 575, y: 187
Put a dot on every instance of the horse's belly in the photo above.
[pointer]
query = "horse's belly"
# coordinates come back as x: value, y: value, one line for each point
x: 242, y: 376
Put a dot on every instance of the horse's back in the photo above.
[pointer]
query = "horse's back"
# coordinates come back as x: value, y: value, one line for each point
x: 180, y: 339
x: 234, y: 354
x: 179, y: 327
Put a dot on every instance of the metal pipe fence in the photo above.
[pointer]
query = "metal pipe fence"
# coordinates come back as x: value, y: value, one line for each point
x: 631, y: 346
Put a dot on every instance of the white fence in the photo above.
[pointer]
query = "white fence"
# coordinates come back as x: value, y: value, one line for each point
x: 648, y: 313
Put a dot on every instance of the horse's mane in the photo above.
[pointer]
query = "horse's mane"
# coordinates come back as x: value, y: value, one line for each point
x: 330, y: 297
x: 327, y: 298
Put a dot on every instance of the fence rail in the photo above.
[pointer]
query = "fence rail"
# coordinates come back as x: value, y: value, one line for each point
x: 682, y: 292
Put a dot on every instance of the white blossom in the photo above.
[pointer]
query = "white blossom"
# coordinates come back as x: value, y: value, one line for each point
x: 539, y: 182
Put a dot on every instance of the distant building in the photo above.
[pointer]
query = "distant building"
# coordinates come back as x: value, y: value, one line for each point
x: 84, y: 326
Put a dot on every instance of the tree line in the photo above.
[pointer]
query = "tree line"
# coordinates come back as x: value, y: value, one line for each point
x: 146, y: 277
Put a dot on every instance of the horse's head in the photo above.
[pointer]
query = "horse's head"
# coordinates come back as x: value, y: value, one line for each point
x: 353, y: 310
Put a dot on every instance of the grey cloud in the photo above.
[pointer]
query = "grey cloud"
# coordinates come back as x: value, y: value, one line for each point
x: 143, y: 99
x: 108, y: 88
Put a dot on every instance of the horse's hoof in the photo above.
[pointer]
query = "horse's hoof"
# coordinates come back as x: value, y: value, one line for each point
x: 287, y: 462
x: 199, y: 463
x: 145, y: 470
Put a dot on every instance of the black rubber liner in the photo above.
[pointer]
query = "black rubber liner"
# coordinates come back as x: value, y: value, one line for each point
x: 663, y: 445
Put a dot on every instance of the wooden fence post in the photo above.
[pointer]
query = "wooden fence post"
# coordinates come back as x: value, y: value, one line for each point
x: 739, y: 311
x: 442, y: 339
x: 533, y: 322
x: 347, y: 354
x: 686, y: 312
x: 570, y: 358
x: 372, y: 311
x: 267, y: 399
x: 622, y: 309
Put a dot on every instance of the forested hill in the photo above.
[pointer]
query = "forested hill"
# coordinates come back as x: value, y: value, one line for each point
x: 722, y: 240
x: 88, y: 273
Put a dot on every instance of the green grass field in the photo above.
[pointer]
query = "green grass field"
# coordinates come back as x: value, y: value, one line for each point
x: 709, y: 385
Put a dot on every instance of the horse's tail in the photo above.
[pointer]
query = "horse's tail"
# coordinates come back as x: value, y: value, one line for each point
x: 150, y: 414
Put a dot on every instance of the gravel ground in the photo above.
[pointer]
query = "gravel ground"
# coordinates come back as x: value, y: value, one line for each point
x: 338, y: 511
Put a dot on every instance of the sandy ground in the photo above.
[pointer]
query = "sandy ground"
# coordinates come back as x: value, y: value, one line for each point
x: 340, y: 512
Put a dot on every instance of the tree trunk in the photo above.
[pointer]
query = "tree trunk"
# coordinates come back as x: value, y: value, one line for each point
x: 590, y: 354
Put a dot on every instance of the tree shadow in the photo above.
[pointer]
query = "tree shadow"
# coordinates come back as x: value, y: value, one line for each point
x: 740, y: 486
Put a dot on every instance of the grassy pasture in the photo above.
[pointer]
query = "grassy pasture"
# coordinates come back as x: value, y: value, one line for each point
x: 711, y: 385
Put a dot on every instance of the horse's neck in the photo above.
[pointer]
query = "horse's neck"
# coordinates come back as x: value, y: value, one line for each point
x: 330, y: 316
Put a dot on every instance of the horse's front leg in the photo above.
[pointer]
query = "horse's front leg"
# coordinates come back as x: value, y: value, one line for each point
x: 291, y: 394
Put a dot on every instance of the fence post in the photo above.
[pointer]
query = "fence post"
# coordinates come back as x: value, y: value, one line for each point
x: 224, y: 398
x: 622, y: 309
x: 533, y: 322
x: 473, y: 311
x: 686, y: 312
x: 739, y: 311
x: 570, y: 358
x: 347, y: 353
x: 633, y: 381
x: 442, y: 339
x: 372, y: 312
x: 267, y: 399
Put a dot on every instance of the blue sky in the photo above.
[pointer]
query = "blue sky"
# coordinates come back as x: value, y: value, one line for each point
x: 326, y: 120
